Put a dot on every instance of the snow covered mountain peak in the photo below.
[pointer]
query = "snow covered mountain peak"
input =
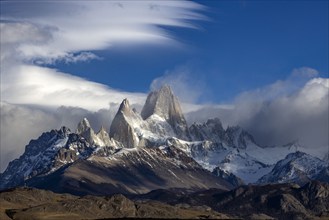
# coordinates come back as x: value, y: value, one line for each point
x: 297, y: 167
x: 231, y: 153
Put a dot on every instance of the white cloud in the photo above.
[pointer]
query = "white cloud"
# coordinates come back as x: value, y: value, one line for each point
x: 53, y: 30
x: 35, y: 33
x: 184, y: 83
x: 304, y: 72
x: 18, y: 126
x: 287, y: 110
x: 28, y: 84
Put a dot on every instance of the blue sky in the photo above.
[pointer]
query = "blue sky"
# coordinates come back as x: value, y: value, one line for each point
x: 262, y: 65
x: 243, y: 45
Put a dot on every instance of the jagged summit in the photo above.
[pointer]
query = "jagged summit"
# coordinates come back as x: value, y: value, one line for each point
x: 84, y: 129
x: 121, y: 129
x: 100, y: 139
x: 125, y: 107
x: 155, y: 149
x: 83, y: 126
x: 165, y: 104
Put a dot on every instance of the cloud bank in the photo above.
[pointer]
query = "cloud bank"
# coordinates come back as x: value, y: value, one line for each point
x: 295, y: 109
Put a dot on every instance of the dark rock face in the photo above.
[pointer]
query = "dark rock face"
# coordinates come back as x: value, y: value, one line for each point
x: 230, y: 177
x: 121, y: 130
x: 315, y: 195
x: 213, y: 131
x: 238, y: 137
x: 166, y: 105
x: 27, y: 203
x: 277, y: 201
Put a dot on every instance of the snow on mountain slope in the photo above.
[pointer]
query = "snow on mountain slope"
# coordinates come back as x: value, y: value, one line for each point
x: 131, y: 170
x: 230, y: 153
x: 296, y: 167
x: 232, y: 150
x: 246, y: 167
x: 44, y: 155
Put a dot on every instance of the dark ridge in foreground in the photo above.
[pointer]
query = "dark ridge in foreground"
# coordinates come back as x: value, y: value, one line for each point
x: 274, y: 201
x: 30, y: 203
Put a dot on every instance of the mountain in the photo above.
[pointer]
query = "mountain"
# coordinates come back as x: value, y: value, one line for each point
x: 235, y: 153
x: 130, y: 171
x: 299, y: 168
x: 122, y: 129
x: 151, y: 150
x: 164, y: 103
x: 46, y: 154
x: 134, y: 157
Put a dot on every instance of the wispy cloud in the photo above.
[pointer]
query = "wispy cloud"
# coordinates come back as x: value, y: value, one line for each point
x: 50, y: 30
x: 35, y: 33
x: 51, y: 88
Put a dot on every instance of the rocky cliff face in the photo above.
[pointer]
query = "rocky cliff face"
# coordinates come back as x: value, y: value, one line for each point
x: 122, y: 128
x: 212, y: 130
x: 84, y: 129
x: 166, y: 105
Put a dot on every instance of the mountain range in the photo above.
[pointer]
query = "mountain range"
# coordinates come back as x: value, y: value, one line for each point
x: 156, y: 149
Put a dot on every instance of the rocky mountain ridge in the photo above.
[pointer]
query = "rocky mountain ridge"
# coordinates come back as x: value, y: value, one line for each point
x: 276, y: 201
x: 158, y: 142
